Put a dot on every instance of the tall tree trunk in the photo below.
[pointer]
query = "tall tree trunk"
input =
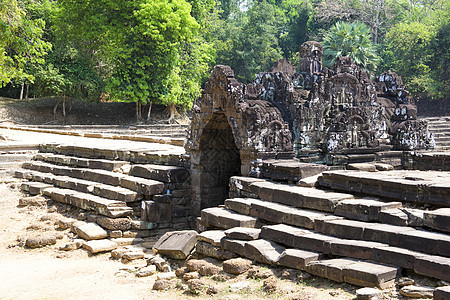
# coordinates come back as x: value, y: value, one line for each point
x: 172, y: 112
x: 64, y: 106
x: 21, y: 91
x: 56, y: 107
x: 26, y: 91
x: 138, y: 111
x: 149, y: 111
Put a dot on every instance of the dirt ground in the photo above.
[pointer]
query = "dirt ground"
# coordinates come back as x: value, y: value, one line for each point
x: 47, y: 273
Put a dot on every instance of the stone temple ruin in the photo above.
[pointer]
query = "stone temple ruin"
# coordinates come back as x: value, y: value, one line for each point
x: 332, y: 117
x: 314, y: 169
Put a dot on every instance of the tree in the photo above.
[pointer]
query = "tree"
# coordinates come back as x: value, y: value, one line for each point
x: 345, y: 39
x: 21, y: 43
x: 139, y: 47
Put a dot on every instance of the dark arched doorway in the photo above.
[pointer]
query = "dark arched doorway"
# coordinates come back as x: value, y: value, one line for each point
x: 219, y: 159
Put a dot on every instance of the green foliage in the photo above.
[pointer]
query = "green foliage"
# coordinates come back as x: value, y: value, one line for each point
x: 21, y: 42
x: 345, y: 39
x: 419, y: 53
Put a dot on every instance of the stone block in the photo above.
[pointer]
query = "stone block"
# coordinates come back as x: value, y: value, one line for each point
x: 241, y: 183
x: 212, y: 237
x: 368, y: 274
x: 396, y: 256
x: 167, y: 174
x: 235, y: 246
x: 114, y: 224
x: 91, y: 231
x: 217, y: 217
x: 213, y: 251
x: 155, y: 212
x: 347, y: 229
x: 176, y: 244
x: 362, y: 167
x: 297, y: 259
x: 103, y: 176
x: 243, y: 233
x: 314, y: 242
x: 98, y: 246
x: 263, y: 251
x: 353, y: 248
x: 394, y: 216
x: 282, y: 234
x: 127, y: 241
x: 332, y: 269
x: 442, y: 293
x: 385, y: 233
x: 240, y: 205
x: 236, y: 266
x: 424, y: 241
x: 364, y: 209
x: 438, y: 219
x: 433, y: 266
x: 143, y: 186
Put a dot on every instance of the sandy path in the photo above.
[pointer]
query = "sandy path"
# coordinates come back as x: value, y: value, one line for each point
x: 39, y: 274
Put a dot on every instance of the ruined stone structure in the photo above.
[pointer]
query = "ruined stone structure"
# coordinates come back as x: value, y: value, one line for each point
x: 316, y: 115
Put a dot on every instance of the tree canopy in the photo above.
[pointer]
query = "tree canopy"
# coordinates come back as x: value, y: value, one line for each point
x: 161, y: 51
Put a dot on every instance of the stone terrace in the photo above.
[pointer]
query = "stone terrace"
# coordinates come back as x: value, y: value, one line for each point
x: 363, y: 231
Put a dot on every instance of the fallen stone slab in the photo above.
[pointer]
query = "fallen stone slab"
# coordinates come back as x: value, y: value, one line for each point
x: 438, y: 219
x: 35, y: 188
x: 176, y: 244
x: 97, y: 246
x: 146, y: 271
x: 442, y: 293
x: 127, y: 241
x: 263, y: 251
x: 217, y: 217
x: 414, y: 291
x: 297, y: 259
x: 433, y: 266
x: 91, y: 231
x: 133, y: 255
x: 243, y: 233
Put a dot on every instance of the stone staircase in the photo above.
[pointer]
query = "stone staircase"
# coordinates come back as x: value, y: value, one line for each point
x: 440, y: 127
x: 132, y: 193
x: 360, y: 235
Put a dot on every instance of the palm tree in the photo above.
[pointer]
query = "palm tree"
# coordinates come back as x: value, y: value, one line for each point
x: 350, y: 39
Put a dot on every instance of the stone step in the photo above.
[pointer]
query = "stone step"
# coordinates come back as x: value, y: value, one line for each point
x: 411, y: 186
x: 99, y: 205
x: 138, y: 185
x: 34, y: 188
x: 85, y: 186
x: 365, y: 209
x: 437, y: 266
x: 359, y: 273
x: 438, y: 219
x: 296, y: 196
x: 173, y: 156
x: 290, y: 170
x: 10, y: 157
x: 222, y: 218
x: 166, y: 174
x: 73, y: 161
